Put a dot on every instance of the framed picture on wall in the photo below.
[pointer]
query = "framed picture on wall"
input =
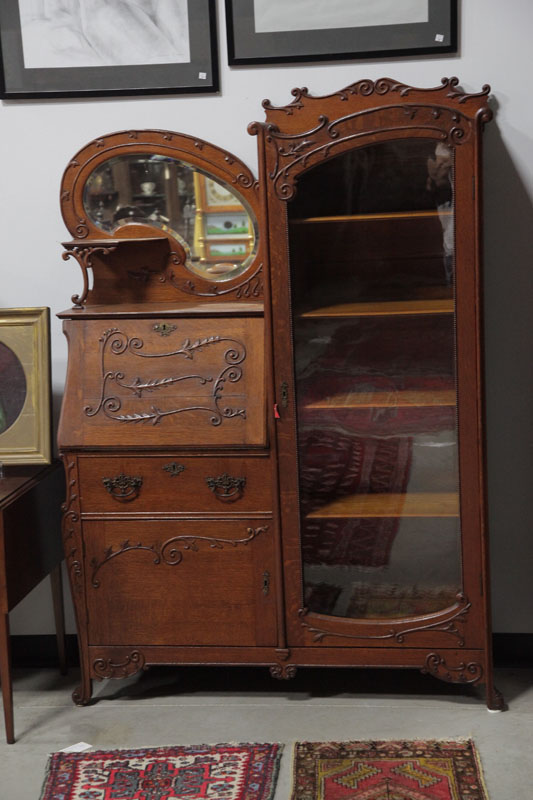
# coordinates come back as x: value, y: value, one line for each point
x: 87, y: 48
x: 273, y: 31
x: 25, y: 418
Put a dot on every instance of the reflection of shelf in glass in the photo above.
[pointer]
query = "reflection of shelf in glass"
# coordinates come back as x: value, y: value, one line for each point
x: 372, y: 217
x: 414, y: 504
x: 400, y: 399
x: 383, y: 309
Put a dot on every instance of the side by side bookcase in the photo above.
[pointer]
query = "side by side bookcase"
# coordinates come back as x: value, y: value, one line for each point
x: 272, y: 426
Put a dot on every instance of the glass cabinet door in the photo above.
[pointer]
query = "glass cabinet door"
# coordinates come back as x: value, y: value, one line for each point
x: 372, y: 287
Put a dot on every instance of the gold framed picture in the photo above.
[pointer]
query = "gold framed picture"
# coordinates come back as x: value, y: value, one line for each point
x: 25, y: 397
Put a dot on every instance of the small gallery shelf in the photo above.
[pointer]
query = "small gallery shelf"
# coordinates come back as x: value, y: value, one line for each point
x: 413, y: 504
x: 383, y: 309
x: 377, y: 217
x: 401, y: 399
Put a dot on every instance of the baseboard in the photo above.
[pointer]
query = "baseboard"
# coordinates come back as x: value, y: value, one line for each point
x: 510, y: 650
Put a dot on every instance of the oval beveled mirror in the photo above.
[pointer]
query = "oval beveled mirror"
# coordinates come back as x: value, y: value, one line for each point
x: 212, y: 222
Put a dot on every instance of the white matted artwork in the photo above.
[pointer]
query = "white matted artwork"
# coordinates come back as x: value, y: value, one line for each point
x: 95, y: 33
x: 299, y: 15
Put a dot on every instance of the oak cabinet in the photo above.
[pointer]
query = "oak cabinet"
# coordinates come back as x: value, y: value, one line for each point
x: 272, y: 425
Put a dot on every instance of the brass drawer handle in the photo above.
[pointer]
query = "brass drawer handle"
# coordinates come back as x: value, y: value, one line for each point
x: 174, y: 469
x: 123, y: 487
x: 226, y: 488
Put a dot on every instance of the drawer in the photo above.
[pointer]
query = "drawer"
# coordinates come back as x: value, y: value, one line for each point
x: 180, y: 583
x: 175, y: 484
x: 164, y: 383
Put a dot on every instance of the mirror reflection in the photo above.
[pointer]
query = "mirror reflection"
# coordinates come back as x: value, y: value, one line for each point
x: 213, y: 224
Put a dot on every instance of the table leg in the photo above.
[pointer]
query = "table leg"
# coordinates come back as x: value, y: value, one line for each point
x: 59, y: 616
x: 5, y: 677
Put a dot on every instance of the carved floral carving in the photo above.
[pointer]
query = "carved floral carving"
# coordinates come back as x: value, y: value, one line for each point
x: 114, y: 343
x: 170, y: 552
x: 283, y: 672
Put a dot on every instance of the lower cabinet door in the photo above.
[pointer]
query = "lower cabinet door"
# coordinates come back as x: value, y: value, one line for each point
x: 170, y: 582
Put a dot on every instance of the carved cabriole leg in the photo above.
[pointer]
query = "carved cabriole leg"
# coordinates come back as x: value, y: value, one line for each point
x: 283, y: 672
x: 73, y: 548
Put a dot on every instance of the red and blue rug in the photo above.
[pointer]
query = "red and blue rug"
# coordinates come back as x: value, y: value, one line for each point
x: 194, y: 772
x: 420, y: 770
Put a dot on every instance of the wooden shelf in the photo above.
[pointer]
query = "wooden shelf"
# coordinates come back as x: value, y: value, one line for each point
x: 373, y: 217
x: 401, y: 399
x: 112, y: 242
x: 414, y: 504
x: 384, y: 309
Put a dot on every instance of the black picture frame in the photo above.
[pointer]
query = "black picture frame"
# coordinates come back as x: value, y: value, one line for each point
x: 246, y: 46
x: 199, y: 75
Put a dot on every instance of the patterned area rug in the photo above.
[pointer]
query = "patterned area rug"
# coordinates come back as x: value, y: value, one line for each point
x: 194, y: 772
x: 420, y: 770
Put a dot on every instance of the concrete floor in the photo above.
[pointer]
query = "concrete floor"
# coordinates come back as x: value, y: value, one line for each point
x: 197, y: 705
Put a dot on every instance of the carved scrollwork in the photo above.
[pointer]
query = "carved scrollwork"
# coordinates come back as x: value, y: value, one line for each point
x: 462, y: 673
x: 107, y: 668
x: 83, y: 255
x: 115, y: 343
x: 123, y: 488
x: 249, y: 288
x: 171, y: 551
x: 331, y: 137
x: 283, y: 672
x: 226, y: 488
x: 382, y: 86
x: 399, y: 631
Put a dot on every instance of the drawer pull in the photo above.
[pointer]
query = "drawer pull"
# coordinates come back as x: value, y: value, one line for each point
x: 123, y: 487
x: 173, y: 469
x: 226, y: 488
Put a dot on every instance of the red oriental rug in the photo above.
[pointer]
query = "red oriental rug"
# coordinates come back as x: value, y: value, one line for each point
x: 418, y: 770
x: 194, y: 772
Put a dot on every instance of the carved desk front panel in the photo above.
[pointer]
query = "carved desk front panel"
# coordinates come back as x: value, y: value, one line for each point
x: 176, y: 382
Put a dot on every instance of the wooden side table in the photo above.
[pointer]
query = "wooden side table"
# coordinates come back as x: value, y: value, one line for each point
x: 30, y: 549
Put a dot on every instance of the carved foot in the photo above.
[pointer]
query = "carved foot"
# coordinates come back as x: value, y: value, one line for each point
x: 495, y: 701
x: 82, y: 694
x: 283, y: 672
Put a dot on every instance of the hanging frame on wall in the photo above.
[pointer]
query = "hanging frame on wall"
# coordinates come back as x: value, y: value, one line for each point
x: 25, y: 418
x: 92, y: 47
x: 271, y: 31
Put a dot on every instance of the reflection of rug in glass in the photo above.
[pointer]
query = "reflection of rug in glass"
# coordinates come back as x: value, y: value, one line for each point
x: 195, y: 772
x: 392, y: 600
x: 349, y: 542
x: 321, y: 597
x: 418, y: 770
x: 335, y: 463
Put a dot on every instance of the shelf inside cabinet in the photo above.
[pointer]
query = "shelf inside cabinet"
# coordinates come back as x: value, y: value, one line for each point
x: 383, y: 309
x: 380, y: 216
x: 413, y: 504
x: 401, y: 399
